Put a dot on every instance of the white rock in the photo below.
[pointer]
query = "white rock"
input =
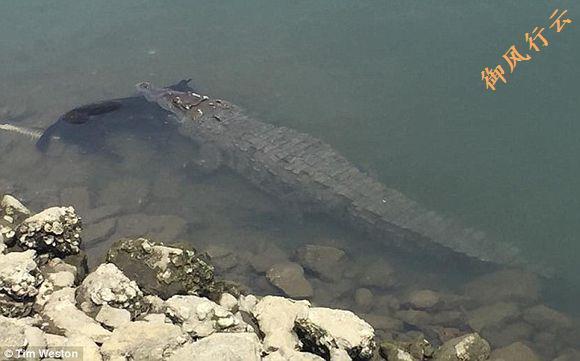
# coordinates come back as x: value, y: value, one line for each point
x: 113, y: 317
x: 108, y: 285
x: 61, y: 312
x: 229, y: 302
x: 276, y: 317
x: 156, y: 304
x: 86, y: 346
x: 338, y: 354
x: 19, y: 274
x: 221, y: 347
x: 11, y: 205
x: 35, y: 337
x: 346, y: 330
x: 292, y: 355
x: 18, y: 333
x: 143, y: 340
x: 156, y: 318
x: 247, y: 303
x: 53, y: 282
x: 201, y: 317
x: 55, y: 341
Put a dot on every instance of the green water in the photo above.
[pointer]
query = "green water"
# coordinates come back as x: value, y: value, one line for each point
x: 394, y: 85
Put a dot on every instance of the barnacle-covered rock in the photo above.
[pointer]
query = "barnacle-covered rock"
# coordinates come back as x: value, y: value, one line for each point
x: 201, y: 317
x: 167, y: 271
x: 107, y: 285
x: 470, y: 347
x: 19, y: 275
x: 11, y: 210
x: 325, y: 330
x: 420, y: 349
x: 10, y: 307
x: 55, y: 230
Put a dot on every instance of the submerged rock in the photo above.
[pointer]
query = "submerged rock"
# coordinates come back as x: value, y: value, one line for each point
x: 323, y: 329
x: 378, y: 274
x: 543, y: 317
x: 423, y: 299
x: 503, y: 335
x: 568, y: 355
x: 406, y: 351
x: 289, y: 277
x: 492, y: 315
x: 55, y: 230
x: 514, y: 352
x: 265, y: 256
x: 326, y: 262
x: 470, y: 347
x: 363, y: 297
x: 506, y: 285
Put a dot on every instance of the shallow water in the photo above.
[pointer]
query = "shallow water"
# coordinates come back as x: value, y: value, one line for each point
x: 394, y: 85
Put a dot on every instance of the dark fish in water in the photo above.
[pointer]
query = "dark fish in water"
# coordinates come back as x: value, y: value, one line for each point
x: 81, y: 115
x: 90, y: 125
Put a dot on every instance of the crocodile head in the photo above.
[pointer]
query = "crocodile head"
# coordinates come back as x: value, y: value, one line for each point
x: 179, y: 103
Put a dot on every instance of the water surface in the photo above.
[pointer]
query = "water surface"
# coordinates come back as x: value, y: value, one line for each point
x: 394, y: 85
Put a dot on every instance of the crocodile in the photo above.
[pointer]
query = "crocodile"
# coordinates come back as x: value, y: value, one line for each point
x: 299, y: 167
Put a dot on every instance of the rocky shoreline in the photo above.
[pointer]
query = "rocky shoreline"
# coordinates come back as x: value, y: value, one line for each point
x: 150, y: 301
